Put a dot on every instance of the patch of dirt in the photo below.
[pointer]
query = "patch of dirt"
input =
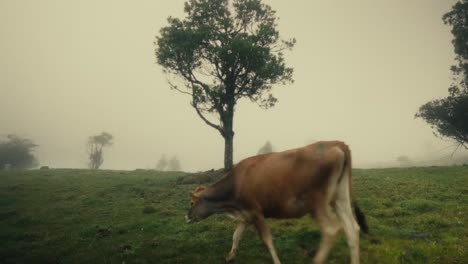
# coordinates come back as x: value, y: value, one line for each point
x: 311, y: 252
x: 375, y: 241
x: 155, y: 242
x: 29, y: 237
x: 420, y: 236
x: 14, y: 188
x: 137, y: 191
x: 149, y: 210
x: 201, y: 177
x: 124, y: 248
x: 287, y: 223
x: 166, y: 213
x: 8, y: 214
x: 121, y: 231
x: 103, y: 232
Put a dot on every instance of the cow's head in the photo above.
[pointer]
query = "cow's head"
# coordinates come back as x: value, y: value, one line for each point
x: 199, y: 206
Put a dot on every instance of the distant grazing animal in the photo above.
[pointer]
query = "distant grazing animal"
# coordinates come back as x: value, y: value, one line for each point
x: 315, y: 180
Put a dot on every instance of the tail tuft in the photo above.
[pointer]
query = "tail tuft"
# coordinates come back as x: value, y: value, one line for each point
x: 361, y: 219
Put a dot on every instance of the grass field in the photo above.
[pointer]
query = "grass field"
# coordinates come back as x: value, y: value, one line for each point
x: 416, y: 215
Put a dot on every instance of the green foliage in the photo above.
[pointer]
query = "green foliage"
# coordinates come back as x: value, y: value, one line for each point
x: 237, y: 46
x: 415, y: 215
x: 449, y: 116
x: 457, y: 18
x: 17, y: 153
x: 224, y: 51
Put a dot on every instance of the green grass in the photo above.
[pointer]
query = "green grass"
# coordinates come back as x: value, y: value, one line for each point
x: 416, y: 215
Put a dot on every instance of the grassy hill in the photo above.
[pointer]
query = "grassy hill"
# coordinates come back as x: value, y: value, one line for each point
x: 416, y: 215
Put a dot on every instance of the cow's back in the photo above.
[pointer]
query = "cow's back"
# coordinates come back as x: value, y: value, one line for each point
x: 284, y: 184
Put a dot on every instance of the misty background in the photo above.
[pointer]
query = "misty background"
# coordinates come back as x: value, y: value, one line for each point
x: 72, y: 69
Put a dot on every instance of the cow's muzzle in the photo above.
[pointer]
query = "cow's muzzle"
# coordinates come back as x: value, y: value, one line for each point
x: 188, y: 220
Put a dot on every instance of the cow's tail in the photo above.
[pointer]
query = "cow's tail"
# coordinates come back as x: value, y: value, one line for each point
x: 361, y: 219
x: 347, y: 171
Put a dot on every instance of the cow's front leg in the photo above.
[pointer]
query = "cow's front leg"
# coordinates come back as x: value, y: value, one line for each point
x: 235, y: 241
x: 265, y: 234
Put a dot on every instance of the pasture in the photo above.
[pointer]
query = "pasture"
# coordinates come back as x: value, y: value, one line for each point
x: 415, y: 215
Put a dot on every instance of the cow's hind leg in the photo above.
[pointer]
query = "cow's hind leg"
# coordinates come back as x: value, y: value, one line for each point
x: 267, y: 239
x: 329, y: 225
x: 345, y: 213
x: 236, y: 237
x: 329, y: 228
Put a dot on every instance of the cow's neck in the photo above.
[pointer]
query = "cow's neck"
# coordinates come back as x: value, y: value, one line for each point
x: 221, y: 195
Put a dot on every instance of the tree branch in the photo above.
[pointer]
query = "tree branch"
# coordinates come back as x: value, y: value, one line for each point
x: 173, y: 86
x: 455, y: 150
x: 200, y: 114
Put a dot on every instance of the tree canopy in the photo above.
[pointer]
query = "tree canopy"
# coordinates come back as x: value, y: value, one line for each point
x: 95, y: 147
x: 449, y: 116
x: 162, y: 163
x: 17, y: 153
x: 223, y: 51
x: 174, y: 164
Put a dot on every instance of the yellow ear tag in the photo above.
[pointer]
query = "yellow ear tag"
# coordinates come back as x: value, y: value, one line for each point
x: 194, y: 197
x: 196, y: 194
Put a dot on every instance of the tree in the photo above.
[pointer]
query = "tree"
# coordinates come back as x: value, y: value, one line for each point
x: 449, y: 116
x: 267, y: 148
x: 223, y: 51
x: 404, y: 161
x: 17, y: 153
x: 174, y: 164
x: 162, y: 163
x: 95, y: 147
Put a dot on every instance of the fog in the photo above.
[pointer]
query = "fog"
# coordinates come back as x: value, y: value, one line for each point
x: 72, y: 69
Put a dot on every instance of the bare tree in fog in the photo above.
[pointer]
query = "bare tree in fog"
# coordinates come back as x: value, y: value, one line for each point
x: 449, y: 116
x: 174, y: 164
x: 404, y: 161
x: 267, y: 148
x: 95, y: 146
x: 224, y: 51
x: 17, y: 153
x: 162, y: 163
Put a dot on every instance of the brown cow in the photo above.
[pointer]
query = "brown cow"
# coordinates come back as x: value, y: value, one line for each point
x: 314, y: 180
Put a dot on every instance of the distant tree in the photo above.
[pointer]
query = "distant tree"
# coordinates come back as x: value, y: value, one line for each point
x: 162, y: 163
x: 267, y: 148
x: 95, y: 147
x: 404, y: 161
x: 17, y: 153
x: 174, y: 164
x: 449, y: 116
x: 223, y: 51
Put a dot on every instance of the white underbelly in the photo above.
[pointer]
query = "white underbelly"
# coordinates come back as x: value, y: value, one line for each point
x: 243, y: 216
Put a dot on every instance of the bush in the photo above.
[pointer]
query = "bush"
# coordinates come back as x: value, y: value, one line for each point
x: 17, y: 153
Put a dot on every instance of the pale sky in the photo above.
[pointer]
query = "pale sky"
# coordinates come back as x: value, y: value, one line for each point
x: 71, y: 69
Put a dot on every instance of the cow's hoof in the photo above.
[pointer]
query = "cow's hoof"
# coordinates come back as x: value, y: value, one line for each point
x: 230, y: 257
x: 311, y: 252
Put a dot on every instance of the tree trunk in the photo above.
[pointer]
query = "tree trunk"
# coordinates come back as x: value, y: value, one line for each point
x: 228, y: 137
x: 228, y: 151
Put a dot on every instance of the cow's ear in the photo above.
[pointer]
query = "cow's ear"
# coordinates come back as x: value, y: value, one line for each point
x: 200, y: 188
